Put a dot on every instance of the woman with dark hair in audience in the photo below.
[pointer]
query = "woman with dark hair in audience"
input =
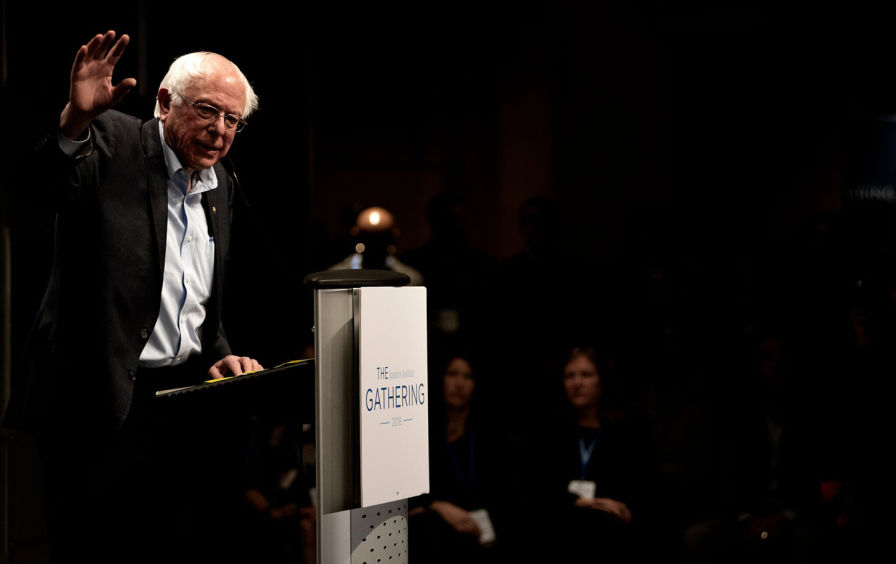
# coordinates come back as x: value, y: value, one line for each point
x: 460, y: 519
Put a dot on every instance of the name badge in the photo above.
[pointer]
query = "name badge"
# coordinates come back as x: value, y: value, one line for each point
x: 583, y: 488
x: 486, y: 530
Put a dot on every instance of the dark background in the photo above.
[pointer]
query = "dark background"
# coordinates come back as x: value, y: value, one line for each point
x: 717, y: 147
x: 725, y: 123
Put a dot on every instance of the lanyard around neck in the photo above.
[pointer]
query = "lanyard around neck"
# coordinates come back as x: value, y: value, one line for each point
x: 467, y: 484
x: 585, y: 453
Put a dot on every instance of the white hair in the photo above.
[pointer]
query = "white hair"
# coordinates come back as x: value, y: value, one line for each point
x: 189, y: 68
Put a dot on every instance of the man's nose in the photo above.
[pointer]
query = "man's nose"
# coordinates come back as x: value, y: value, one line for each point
x: 217, y: 125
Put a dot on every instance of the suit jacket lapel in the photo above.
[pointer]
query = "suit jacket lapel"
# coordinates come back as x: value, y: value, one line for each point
x: 157, y: 185
x: 214, y: 214
x: 212, y: 204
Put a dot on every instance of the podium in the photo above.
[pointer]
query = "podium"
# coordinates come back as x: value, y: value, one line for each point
x: 371, y: 412
x: 366, y: 388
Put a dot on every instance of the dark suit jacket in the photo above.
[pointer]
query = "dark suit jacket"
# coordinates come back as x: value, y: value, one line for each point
x: 104, y: 293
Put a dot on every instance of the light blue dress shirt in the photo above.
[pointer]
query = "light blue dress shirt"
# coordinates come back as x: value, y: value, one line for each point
x: 189, y: 267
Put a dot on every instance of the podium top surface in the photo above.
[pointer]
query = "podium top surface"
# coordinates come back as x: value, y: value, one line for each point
x: 286, y: 389
x: 332, y: 279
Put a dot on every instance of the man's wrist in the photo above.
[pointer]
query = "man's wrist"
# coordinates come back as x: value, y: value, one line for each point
x: 74, y: 124
x: 74, y: 148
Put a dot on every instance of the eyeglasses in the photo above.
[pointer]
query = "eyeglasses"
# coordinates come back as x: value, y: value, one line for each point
x: 209, y: 112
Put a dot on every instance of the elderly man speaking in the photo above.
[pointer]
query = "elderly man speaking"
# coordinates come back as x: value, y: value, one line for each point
x: 133, y: 305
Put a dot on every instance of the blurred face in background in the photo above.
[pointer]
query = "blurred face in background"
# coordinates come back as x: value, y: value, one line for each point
x: 581, y: 382
x: 458, y: 383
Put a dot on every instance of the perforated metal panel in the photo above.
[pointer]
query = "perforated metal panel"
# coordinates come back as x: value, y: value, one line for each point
x: 380, y: 534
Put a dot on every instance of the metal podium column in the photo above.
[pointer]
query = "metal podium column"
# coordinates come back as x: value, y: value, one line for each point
x: 346, y: 532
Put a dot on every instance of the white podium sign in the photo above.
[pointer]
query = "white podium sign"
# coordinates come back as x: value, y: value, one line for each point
x: 394, y: 393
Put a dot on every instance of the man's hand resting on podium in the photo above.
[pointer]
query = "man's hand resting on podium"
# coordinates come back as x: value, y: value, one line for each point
x: 232, y: 365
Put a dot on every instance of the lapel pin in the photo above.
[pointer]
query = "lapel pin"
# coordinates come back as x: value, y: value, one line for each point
x: 214, y: 209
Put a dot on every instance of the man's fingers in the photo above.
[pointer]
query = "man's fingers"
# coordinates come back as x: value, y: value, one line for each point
x: 108, y: 38
x: 233, y: 365
x: 80, y: 56
x: 93, y: 43
x: 122, y: 89
x: 118, y: 49
x: 225, y: 366
x: 97, y: 44
x: 104, y: 45
x: 243, y: 364
x: 249, y: 364
x: 101, y: 47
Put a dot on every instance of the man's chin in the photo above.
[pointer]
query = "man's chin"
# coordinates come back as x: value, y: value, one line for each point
x: 204, y: 162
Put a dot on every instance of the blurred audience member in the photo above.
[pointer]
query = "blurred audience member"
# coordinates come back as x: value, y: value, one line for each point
x: 275, y: 491
x: 280, y: 483
x: 453, y: 268
x: 772, y: 476
x: 461, y: 519
x: 597, y: 472
x: 679, y: 415
x: 375, y: 235
x: 537, y: 300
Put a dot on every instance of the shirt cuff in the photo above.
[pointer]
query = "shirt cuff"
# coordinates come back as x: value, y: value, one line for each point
x: 71, y: 147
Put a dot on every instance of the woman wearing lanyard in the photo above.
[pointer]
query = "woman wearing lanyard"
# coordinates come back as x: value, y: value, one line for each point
x: 455, y: 521
x: 598, y: 465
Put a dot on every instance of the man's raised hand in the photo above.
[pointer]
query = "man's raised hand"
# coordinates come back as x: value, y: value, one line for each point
x: 91, y: 91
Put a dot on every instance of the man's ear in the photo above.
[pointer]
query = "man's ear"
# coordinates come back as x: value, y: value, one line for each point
x: 164, y: 98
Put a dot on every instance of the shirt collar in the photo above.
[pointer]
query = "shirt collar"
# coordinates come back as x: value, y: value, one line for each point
x: 208, y: 180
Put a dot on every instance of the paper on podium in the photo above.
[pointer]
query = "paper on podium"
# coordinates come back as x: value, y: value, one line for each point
x: 285, y: 388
